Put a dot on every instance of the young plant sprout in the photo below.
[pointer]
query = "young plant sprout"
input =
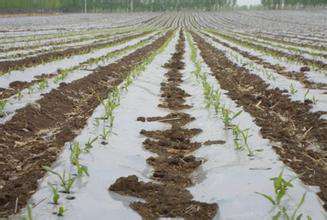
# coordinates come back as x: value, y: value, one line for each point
x: 245, y: 136
x: 96, y: 122
x: 43, y: 84
x: 312, y: 99
x: 236, y: 137
x: 128, y: 82
x: 3, y: 104
x: 110, y: 104
x: 281, y: 186
x: 293, y: 90
x: 216, y: 97
x: 89, y: 145
x: 228, y: 116
x: 30, y: 89
x: 75, y: 152
x: 66, y: 181
x: 208, y: 93
x: 81, y: 169
x: 61, y: 211
x: 105, y: 133
x: 213, y: 99
x: 62, y: 74
x: 55, y: 194
x: 29, y: 215
x: 19, y: 95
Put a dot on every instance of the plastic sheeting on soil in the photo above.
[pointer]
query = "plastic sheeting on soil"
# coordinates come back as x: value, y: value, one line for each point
x: 14, y: 103
x: 122, y: 156
x: 278, y: 81
x: 231, y: 178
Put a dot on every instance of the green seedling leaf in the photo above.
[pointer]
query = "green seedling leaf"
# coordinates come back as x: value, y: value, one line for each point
x: 299, y: 206
x: 236, y: 115
x: 277, y: 216
x: 61, y: 211
x: 55, y: 196
x: 29, y: 213
x: 89, y: 145
x: 268, y: 197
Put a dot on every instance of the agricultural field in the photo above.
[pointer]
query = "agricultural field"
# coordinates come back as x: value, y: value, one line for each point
x: 203, y: 115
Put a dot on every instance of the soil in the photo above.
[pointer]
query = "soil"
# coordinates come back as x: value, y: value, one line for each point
x: 17, y: 86
x: 299, y: 134
x: 6, y: 66
x: 166, y: 195
x: 36, y: 134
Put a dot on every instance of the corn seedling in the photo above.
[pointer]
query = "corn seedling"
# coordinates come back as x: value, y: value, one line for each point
x: 245, y: 136
x: 110, y: 105
x: 43, y: 84
x: 3, y: 104
x: 66, y: 181
x: 293, y: 90
x: 19, y: 95
x: 81, y: 169
x: 75, y: 152
x: 105, y: 133
x: 128, y: 82
x: 89, y: 145
x: 62, y: 74
x: 61, y: 211
x: 228, y: 116
x: 55, y: 194
x: 109, y: 113
x: 30, y: 90
x: 236, y: 137
x: 313, y: 98
x: 115, y: 95
x: 281, y: 187
x: 216, y: 97
x: 208, y: 93
x: 29, y: 215
x: 97, y: 122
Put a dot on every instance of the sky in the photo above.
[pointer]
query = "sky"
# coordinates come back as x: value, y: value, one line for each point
x: 248, y: 2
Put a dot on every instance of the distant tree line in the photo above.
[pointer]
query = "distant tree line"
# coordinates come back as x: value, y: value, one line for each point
x: 113, y: 5
x: 279, y: 4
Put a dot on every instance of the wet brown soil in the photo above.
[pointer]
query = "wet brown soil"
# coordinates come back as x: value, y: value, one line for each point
x: 296, y: 57
x: 36, y: 134
x: 299, y: 76
x: 299, y: 136
x: 166, y: 195
x: 17, y: 86
x: 6, y: 66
